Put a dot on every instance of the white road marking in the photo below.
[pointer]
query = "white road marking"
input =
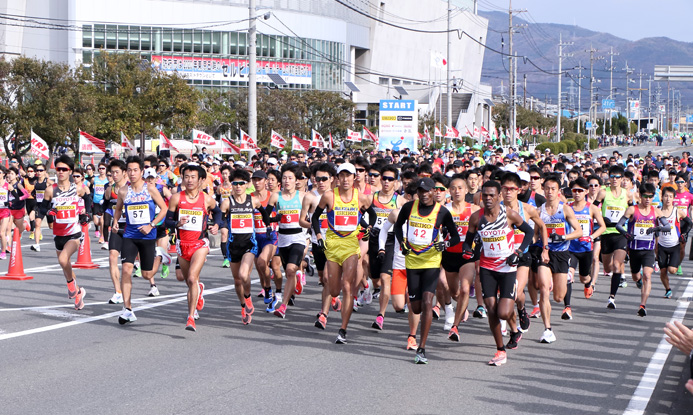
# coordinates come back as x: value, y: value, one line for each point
x: 59, y: 314
x: 69, y: 305
x: 6, y: 336
x: 643, y: 393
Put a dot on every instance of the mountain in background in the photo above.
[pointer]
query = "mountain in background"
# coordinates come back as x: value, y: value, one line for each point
x: 539, y: 42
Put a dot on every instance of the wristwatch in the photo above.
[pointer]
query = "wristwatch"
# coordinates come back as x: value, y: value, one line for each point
x: 152, y: 224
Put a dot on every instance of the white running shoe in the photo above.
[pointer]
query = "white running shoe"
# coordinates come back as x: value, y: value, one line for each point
x: 547, y: 337
x: 504, y: 328
x: 196, y: 315
x: 104, y: 246
x: 127, y: 317
x: 368, y: 294
x: 153, y: 291
x: 36, y: 247
x: 449, y: 317
x: 165, y: 257
x: 116, y: 299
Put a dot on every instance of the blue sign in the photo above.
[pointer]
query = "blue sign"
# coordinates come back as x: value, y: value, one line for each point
x: 689, y: 118
x: 608, y: 104
x: 588, y: 125
x: 676, y: 126
x: 399, y: 125
x: 397, y: 105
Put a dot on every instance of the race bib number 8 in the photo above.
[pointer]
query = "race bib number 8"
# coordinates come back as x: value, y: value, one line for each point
x: 640, y: 230
x: 138, y: 214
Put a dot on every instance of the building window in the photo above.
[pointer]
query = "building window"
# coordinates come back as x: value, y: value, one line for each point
x: 111, y: 41
x: 396, y: 81
x: 383, y: 81
x: 86, y: 36
x: 167, y: 43
x: 99, y: 36
x: 146, y: 38
x: 134, y: 38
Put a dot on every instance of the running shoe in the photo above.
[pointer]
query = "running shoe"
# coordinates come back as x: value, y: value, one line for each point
x: 268, y: 296
x: 153, y: 291
x: 656, y: 267
x: 378, y: 323
x: 642, y: 311
x: 300, y: 281
x: 514, y: 340
x: 589, y: 291
x: 523, y: 319
x: 226, y: 263
x: 420, y: 358
x: 281, y: 311
x: 196, y: 315
x: 271, y: 306
x: 31, y: 235
x: 116, y: 299
x: 137, y: 272
x: 249, y: 308
x: 449, y: 317
x: 127, y: 316
x: 472, y: 291
x: 36, y: 247
x: 638, y: 283
x: 465, y: 317
x: 190, y: 325
x: 611, y: 304
x: 200, y: 298
x: 480, y: 312
x: 261, y: 294
x: 164, y: 270
x: 454, y: 335
x: 97, y: 234
x: 356, y: 304
x: 79, y: 298
x: 668, y: 294
x: 436, y: 312
x: 500, y: 358
x: 679, y: 271
x: 3, y: 255
x: 567, y: 314
x: 246, y: 318
x: 368, y: 295
x: 292, y: 300
x: 376, y: 293
x: 309, y: 268
x: 104, y: 246
x: 548, y: 337
x: 341, y: 337
x: 411, y: 343
x: 336, y: 304
x: 321, y: 322
x: 623, y: 283
x: 536, y: 312
x: 504, y: 328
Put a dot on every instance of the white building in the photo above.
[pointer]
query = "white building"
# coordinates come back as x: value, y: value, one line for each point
x: 312, y: 44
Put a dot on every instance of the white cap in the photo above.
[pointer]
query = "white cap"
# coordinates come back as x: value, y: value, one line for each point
x: 272, y: 160
x: 511, y: 168
x: 524, y: 176
x: 149, y: 172
x: 239, y: 163
x: 346, y: 167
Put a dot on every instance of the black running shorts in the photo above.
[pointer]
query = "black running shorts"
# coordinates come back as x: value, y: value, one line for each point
x: 420, y: 281
x: 583, y: 261
x: 146, y: 248
x: 669, y: 257
x: 613, y: 242
x: 60, y: 241
x: 292, y: 254
x: 641, y: 258
x: 494, y: 281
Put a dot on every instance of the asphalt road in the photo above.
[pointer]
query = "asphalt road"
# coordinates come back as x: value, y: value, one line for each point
x: 58, y: 360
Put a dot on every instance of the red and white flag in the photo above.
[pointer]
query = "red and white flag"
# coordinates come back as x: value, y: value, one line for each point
x: 534, y: 131
x: 484, y: 132
x: 227, y: 147
x: 437, y: 132
x: 39, y: 146
x: 277, y: 140
x: 330, y: 141
x: 477, y: 132
x: 354, y: 136
x: 316, y: 139
x: 299, y: 144
x: 247, y: 142
x: 451, y: 132
x: 469, y: 133
x: 165, y: 143
x: 368, y: 135
x: 90, y: 144
x: 202, y: 138
x: 525, y: 131
x: 125, y: 144
x: 426, y: 133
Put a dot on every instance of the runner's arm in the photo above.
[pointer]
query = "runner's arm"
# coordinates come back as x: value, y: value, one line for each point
x: 401, y: 218
x: 622, y: 222
x: 449, y: 223
x: 597, y: 214
x: 573, y: 222
x: 306, y: 208
x: 382, y: 237
x: 524, y: 227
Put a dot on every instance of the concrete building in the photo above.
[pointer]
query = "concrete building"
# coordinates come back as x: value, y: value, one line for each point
x: 312, y: 44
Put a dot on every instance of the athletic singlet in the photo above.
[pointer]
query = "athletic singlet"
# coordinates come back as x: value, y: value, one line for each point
x: 671, y: 239
x: 196, y: 212
x: 587, y: 225
x: 15, y: 198
x: 290, y: 231
x: 533, y: 199
x: 398, y: 259
x: 519, y: 235
x: 40, y: 190
x: 138, y: 208
x: 382, y: 210
x: 258, y: 223
x: 344, y: 217
x: 4, y: 195
x: 241, y: 229
x: 557, y: 224
x: 99, y: 189
x: 613, y: 208
x: 68, y: 206
x: 29, y: 186
x: 497, y: 239
x: 657, y: 199
x: 568, y: 194
x: 421, y: 235
x: 226, y: 193
x: 682, y: 201
x: 638, y: 226
x: 323, y: 222
x: 462, y: 222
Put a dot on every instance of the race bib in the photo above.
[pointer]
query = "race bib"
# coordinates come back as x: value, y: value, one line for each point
x: 195, y: 219
x: 585, y: 226
x: 139, y: 214
x: 380, y: 220
x: 557, y: 228
x: 290, y: 218
x: 420, y: 233
x: 242, y: 223
x: 495, y: 243
x: 39, y: 196
x: 640, y: 231
x: 99, y: 189
x: 346, y: 221
x: 614, y: 213
x: 259, y: 223
x: 3, y: 196
x: 66, y: 214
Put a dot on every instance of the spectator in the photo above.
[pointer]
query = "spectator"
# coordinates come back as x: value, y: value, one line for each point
x: 681, y: 337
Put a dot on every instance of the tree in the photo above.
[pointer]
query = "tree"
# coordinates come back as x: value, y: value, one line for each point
x: 217, y: 114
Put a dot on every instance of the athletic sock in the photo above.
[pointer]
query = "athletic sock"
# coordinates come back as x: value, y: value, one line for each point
x: 32, y: 225
x: 225, y: 251
x: 615, y: 281
x: 501, y: 349
x: 568, y: 293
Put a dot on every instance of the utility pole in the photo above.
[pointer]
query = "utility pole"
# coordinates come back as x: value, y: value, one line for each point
x: 560, y: 78
x: 591, y: 50
x: 579, y: 103
x: 513, y: 69
x: 252, y: 72
x: 524, y: 92
x: 628, y: 72
x: 611, y: 87
x: 448, y: 140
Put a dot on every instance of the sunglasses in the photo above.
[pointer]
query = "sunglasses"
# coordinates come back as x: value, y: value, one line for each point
x: 535, y: 177
x: 577, y: 190
x: 13, y: 161
x: 62, y: 169
x: 162, y: 165
x: 373, y: 174
x: 322, y: 179
x: 615, y: 176
x: 388, y: 179
x: 509, y: 188
x: 425, y: 175
x: 76, y: 176
x: 41, y: 170
x: 300, y: 178
x: 102, y: 168
x: 440, y: 189
x: 29, y: 171
x: 360, y: 170
x: 241, y: 183
x: 680, y: 181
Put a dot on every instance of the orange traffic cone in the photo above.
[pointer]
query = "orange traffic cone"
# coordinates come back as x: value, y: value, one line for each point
x: 16, y: 269
x: 92, y: 159
x: 84, y: 257
x: 53, y: 164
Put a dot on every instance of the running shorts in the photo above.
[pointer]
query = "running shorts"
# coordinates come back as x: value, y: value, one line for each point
x: 384, y: 266
x: 115, y: 241
x: 97, y: 209
x: 583, y: 261
x: 559, y: 262
x: 146, y: 248
x: 420, y: 281
x: 399, y: 282
x: 4, y: 213
x: 60, y: 241
x: 669, y: 257
x: 292, y: 254
x: 493, y: 281
x: 186, y: 249
x: 319, y: 257
x: 613, y: 242
x: 18, y: 214
x: 341, y: 249
x: 263, y: 241
x: 641, y: 258
x: 236, y: 251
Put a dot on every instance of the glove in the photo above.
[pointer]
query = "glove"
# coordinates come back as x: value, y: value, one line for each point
x: 514, y: 258
x: 556, y: 238
x: 365, y: 234
x: 608, y: 223
x: 278, y: 218
x: 652, y: 230
x: 441, y: 246
x: 629, y: 236
x: 444, y: 232
x: 467, y: 254
x: 268, y: 232
x: 52, y: 212
x: 585, y: 239
x: 405, y: 248
x: 322, y: 245
x: 375, y: 232
x: 83, y: 219
x: 381, y: 255
x: 684, y: 238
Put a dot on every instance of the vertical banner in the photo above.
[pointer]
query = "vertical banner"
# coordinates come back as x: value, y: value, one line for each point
x: 399, y: 124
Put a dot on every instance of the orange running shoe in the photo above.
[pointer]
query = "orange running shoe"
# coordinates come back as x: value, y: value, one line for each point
x: 249, y: 309
x: 536, y: 312
x: 79, y: 298
x: 454, y: 335
x: 299, y: 286
x: 321, y: 322
x: 500, y: 358
x: 190, y: 325
x: 245, y: 317
x: 336, y: 304
x: 200, y: 297
x: 411, y: 343
x: 589, y: 291
x: 436, y: 312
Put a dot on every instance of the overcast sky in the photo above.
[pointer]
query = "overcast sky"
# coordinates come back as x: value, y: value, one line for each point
x: 629, y: 19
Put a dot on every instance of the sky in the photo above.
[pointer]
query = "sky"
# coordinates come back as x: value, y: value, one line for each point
x: 629, y: 19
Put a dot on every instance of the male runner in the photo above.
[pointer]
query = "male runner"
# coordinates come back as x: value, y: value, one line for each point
x: 668, y: 243
x: 117, y: 169
x: 683, y: 202
x: 266, y: 246
x: 98, y: 189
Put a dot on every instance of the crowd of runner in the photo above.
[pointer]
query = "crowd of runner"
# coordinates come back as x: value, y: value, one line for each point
x: 435, y: 233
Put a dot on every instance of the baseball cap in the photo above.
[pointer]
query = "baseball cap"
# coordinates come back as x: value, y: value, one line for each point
x: 426, y: 184
x: 511, y: 168
x: 348, y: 167
x: 149, y: 172
x: 259, y: 174
x: 458, y: 163
x: 524, y: 176
x: 272, y: 160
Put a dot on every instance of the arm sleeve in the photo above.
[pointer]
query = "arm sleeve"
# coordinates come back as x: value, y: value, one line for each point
x: 382, y: 236
x: 619, y: 225
x: 216, y: 215
x: 372, y: 217
x: 529, y: 235
x: 315, y: 220
x: 686, y: 224
x: 449, y: 223
x: 87, y: 203
x: 468, y: 241
x: 401, y: 218
x: 170, y: 221
x: 263, y: 211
